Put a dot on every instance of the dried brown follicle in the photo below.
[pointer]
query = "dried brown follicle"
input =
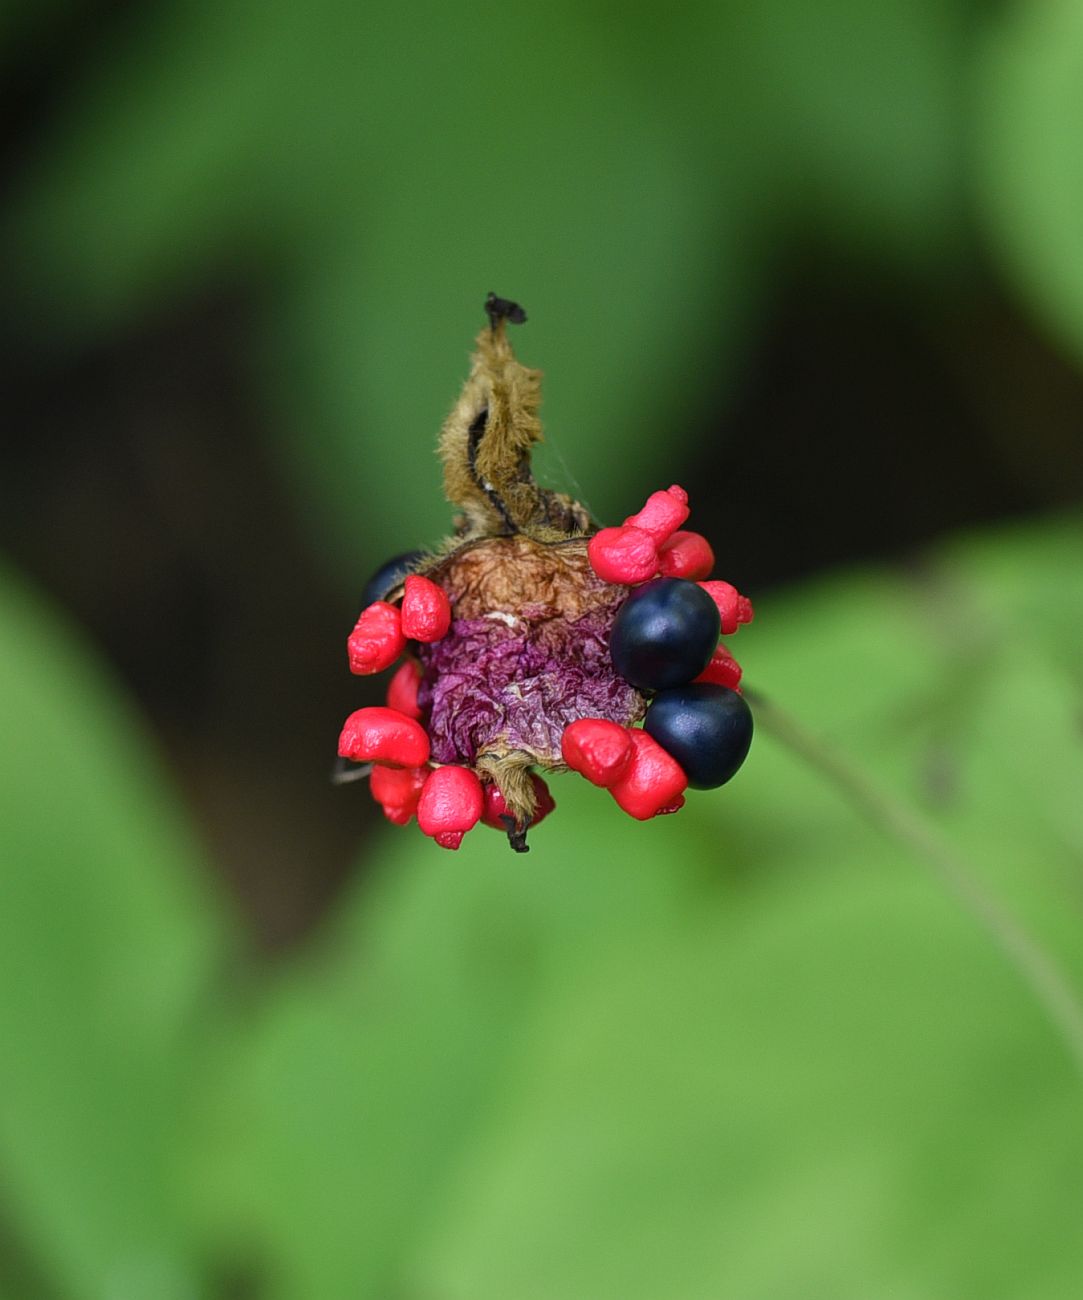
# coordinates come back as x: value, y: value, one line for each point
x: 487, y: 440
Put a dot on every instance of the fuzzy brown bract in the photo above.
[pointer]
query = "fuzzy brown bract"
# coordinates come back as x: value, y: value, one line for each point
x: 528, y: 651
x: 519, y: 654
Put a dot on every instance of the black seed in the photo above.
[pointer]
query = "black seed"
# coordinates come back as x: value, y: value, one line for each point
x: 706, y: 728
x: 664, y: 634
x: 388, y: 576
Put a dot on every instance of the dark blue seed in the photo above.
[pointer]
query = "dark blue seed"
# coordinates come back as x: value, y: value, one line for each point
x: 706, y: 728
x: 664, y: 634
x: 389, y: 575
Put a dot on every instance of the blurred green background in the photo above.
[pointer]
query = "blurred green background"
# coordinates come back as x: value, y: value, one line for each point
x: 819, y: 263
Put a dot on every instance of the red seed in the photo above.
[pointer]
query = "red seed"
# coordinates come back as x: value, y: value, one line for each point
x: 673, y: 807
x: 451, y: 803
x: 496, y: 808
x: 624, y: 555
x: 402, y: 689
x: 686, y: 555
x: 377, y: 639
x: 663, y: 513
x: 397, y: 790
x: 598, y: 749
x: 733, y: 608
x: 381, y: 735
x: 426, y: 613
x: 653, y: 782
x: 723, y: 669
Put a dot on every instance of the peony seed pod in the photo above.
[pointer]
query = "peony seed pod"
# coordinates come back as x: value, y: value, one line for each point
x: 513, y: 669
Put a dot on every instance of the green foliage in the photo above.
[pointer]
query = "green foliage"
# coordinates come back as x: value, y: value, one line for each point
x: 1031, y: 96
x: 108, y: 941
x: 631, y: 179
x: 754, y: 1049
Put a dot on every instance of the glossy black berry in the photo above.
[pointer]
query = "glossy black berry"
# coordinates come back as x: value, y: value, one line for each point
x: 706, y: 728
x: 664, y: 634
x: 389, y: 575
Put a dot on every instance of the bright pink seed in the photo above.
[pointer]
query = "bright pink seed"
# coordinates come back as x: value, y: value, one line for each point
x: 598, y: 749
x: 733, y: 608
x: 380, y: 735
x: 451, y: 804
x: 625, y: 555
x: 426, y: 613
x: 653, y: 782
x: 397, y: 790
x: 377, y: 639
x: 496, y: 808
x: 402, y: 689
x: 723, y: 669
x: 686, y: 555
x: 663, y: 513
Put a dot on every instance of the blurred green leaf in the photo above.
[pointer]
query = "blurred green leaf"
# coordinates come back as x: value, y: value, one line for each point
x: 108, y: 937
x: 756, y: 1049
x: 631, y: 181
x: 362, y: 1081
x: 830, y: 1082
x: 835, y: 1090
x: 1031, y: 170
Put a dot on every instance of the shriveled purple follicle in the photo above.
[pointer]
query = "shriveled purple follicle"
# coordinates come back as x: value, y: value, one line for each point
x: 515, y: 682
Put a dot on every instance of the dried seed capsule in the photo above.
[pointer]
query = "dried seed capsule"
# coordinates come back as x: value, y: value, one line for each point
x: 733, y: 608
x: 707, y: 729
x: 496, y: 809
x: 377, y: 639
x: 549, y: 660
x: 598, y: 749
x: 389, y: 575
x: 723, y: 670
x: 451, y: 804
x: 624, y: 555
x: 664, y: 634
x: 397, y: 790
x: 426, y: 613
x: 379, y: 735
x: 686, y: 555
x: 653, y: 782
x: 402, y: 689
x: 662, y: 515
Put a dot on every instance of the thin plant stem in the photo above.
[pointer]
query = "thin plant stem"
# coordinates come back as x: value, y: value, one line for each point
x: 1051, y: 988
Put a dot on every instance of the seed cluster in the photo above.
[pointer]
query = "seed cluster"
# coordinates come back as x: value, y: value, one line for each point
x: 535, y: 640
